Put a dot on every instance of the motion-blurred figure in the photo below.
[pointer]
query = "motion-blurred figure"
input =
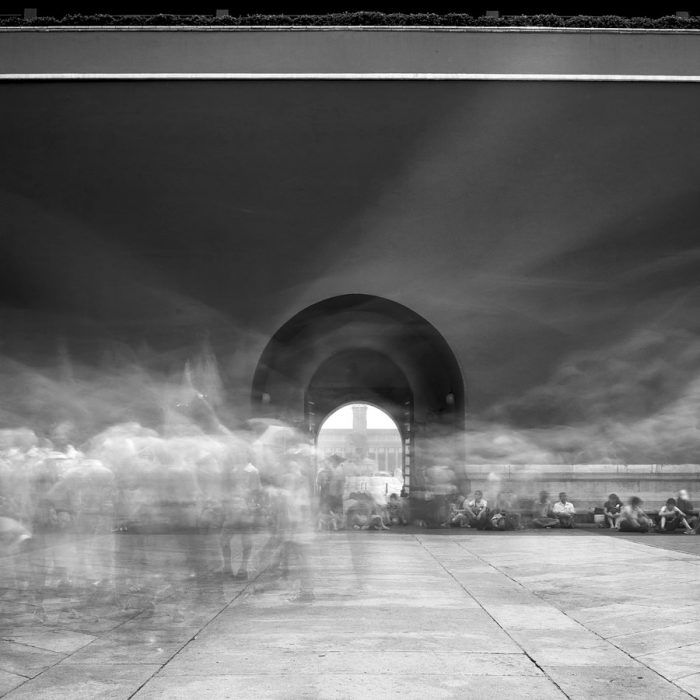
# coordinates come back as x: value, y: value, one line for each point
x: 685, y: 504
x: 633, y: 518
x: 543, y: 512
x: 297, y: 530
x: 241, y: 502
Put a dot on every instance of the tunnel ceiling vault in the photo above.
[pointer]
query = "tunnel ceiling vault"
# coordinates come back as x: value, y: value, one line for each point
x: 358, y: 347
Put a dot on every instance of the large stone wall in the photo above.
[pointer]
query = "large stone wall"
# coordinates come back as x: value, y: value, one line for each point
x: 546, y: 229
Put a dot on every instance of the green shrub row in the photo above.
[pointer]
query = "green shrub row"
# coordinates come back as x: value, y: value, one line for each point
x: 361, y: 19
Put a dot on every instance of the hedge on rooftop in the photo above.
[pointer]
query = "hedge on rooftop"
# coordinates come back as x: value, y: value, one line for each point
x: 360, y: 19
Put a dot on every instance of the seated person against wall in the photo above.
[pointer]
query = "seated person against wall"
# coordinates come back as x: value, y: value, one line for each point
x: 684, y: 503
x: 457, y: 517
x: 507, y: 516
x: 671, y: 517
x: 396, y: 510
x: 611, y: 509
x: 633, y: 518
x: 564, y: 511
x: 543, y: 513
x: 477, y: 511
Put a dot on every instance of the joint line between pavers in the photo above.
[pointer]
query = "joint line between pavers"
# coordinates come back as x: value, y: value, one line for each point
x: 199, y: 631
x: 498, y: 624
x: 563, y: 612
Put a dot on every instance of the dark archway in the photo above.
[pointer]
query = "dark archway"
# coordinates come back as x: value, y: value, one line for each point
x: 358, y: 347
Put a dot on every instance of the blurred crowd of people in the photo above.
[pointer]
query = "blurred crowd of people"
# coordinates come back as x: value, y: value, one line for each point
x: 132, y: 511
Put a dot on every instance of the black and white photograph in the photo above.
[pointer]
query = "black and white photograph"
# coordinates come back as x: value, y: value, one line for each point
x: 349, y: 354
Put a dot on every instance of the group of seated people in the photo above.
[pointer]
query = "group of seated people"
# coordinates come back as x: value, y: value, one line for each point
x: 507, y: 514
x: 675, y: 514
x: 476, y: 513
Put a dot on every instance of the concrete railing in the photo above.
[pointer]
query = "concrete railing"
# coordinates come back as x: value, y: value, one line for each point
x: 588, y: 485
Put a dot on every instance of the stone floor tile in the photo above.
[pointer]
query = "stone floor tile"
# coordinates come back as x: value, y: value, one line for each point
x: 26, y: 660
x: 8, y: 681
x: 62, y: 641
x: 196, y: 661
x: 670, y: 637
x: 621, y: 683
x: 674, y: 663
x: 691, y: 684
x: 340, y: 686
x: 95, y: 682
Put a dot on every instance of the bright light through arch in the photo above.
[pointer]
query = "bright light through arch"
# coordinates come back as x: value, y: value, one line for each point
x: 376, y: 418
x: 368, y: 441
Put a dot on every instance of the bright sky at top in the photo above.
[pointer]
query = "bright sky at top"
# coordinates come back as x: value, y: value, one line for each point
x: 342, y: 418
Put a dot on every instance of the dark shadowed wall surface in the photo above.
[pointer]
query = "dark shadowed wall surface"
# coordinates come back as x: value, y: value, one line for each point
x: 548, y: 231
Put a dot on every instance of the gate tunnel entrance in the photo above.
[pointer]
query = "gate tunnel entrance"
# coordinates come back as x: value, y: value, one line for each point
x: 358, y: 348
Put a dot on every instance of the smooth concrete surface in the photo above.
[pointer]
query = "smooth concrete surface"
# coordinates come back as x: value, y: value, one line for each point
x: 398, y: 614
x: 490, y: 53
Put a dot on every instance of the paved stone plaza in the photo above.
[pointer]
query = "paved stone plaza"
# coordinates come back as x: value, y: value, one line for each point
x: 401, y: 614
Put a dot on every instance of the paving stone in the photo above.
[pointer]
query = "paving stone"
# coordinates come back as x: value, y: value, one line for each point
x: 8, y: 681
x: 26, y: 660
x: 337, y: 686
x: 63, y: 641
x: 675, y: 663
x: 76, y: 682
x: 587, y: 682
x: 659, y: 640
x: 690, y: 684
x: 198, y: 661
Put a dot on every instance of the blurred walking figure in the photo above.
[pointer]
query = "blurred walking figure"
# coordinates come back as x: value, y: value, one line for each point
x: 685, y: 504
x: 611, y: 510
x: 242, y: 492
x: 564, y: 511
x: 671, y: 517
x: 543, y: 513
x: 297, y: 531
x: 86, y: 494
x: 633, y: 518
x: 323, y: 483
x: 336, y: 486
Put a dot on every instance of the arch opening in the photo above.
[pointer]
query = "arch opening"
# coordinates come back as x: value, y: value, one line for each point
x: 359, y: 348
x: 367, y: 442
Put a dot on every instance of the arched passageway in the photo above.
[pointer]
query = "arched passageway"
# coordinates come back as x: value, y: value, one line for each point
x: 362, y: 348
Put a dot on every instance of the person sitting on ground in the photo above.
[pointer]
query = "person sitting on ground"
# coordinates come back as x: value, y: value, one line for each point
x: 377, y: 517
x: 477, y: 511
x: 457, y: 517
x: 395, y: 510
x: 671, y: 517
x: 507, y: 516
x: 611, y: 510
x: 684, y: 503
x: 564, y: 511
x: 543, y: 513
x: 633, y: 518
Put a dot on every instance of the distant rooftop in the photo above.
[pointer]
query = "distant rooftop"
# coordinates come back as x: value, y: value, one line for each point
x: 224, y: 18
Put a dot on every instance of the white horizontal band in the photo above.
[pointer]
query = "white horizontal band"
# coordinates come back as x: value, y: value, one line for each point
x: 564, y: 77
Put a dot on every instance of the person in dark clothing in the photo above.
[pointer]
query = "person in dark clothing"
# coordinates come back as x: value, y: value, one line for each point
x: 612, y: 509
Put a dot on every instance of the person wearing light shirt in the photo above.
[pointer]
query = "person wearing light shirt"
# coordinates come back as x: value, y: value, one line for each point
x: 564, y: 511
x: 477, y: 511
